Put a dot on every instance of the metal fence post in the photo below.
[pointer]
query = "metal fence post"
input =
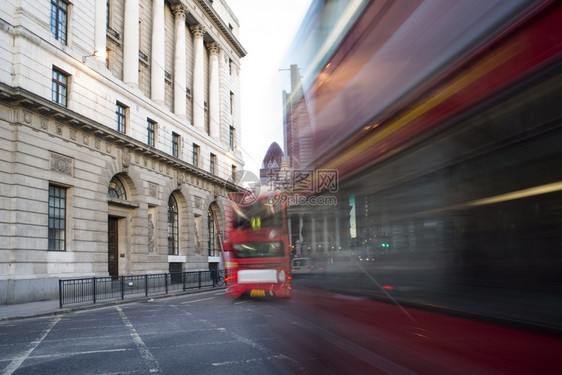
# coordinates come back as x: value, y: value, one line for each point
x: 94, y: 280
x: 166, y: 282
x: 122, y: 287
x: 183, y: 276
x: 146, y: 285
x: 199, y: 279
x: 60, y: 293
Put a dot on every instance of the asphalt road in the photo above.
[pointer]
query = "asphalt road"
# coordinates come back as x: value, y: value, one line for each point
x: 313, y: 333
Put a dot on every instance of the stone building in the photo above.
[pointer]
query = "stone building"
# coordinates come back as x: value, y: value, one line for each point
x: 119, y: 121
x: 318, y: 213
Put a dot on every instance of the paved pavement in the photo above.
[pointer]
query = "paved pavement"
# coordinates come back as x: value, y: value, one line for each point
x: 31, y: 309
x: 51, y: 307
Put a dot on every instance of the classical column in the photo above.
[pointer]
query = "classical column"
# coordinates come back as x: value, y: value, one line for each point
x: 338, y: 233
x: 198, y: 77
x: 300, y: 246
x: 180, y: 107
x: 289, y: 232
x: 325, y: 231
x: 100, y: 30
x: 214, y: 92
x: 131, y: 43
x: 158, y: 61
x: 313, y: 235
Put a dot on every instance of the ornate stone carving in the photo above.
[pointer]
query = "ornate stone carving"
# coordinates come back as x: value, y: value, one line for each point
x: 44, y: 123
x: 27, y: 117
x: 179, y: 10
x: 214, y: 48
x: 198, y: 31
x: 126, y: 159
x: 150, y: 234
x: 152, y: 189
x: 62, y: 164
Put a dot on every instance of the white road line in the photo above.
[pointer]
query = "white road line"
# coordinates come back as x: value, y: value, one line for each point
x: 154, y: 367
x: 69, y: 354
x: 270, y: 354
x: 16, y: 363
x: 197, y: 300
x: 280, y: 356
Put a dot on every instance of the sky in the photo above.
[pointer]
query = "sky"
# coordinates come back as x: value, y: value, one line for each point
x: 267, y: 28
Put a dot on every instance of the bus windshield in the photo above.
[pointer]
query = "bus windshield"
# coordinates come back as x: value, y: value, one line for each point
x: 259, y: 250
x: 258, y: 216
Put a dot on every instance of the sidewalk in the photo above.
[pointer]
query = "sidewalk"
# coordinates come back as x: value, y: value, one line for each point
x: 31, y: 309
x: 51, y: 307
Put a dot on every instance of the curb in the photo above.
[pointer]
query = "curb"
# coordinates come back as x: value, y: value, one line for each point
x: 66, y: 310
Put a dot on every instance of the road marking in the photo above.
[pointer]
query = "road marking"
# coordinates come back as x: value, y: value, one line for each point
x: 68, y: 354
x: 197, y: 300
x: 280, y: 356
x: 16, y: 363
x: 375, y: 360
x: 154, y: 367
x: 270, y: 354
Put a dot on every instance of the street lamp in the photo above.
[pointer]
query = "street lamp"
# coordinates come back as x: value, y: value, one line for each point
x: 100, y: 54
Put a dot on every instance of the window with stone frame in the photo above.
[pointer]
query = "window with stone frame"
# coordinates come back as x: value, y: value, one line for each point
x: 173, y: 234
x: 59, y: 87
x: 59, y: 20
x: 57, y: 218
x: 121, y: 117
x: 151, y: 127
x: 176, y: 144
x: 116, y: 189
x: 196, y: 150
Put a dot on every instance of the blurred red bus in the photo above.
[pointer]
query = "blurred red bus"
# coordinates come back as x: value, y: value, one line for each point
x: 257, y: 254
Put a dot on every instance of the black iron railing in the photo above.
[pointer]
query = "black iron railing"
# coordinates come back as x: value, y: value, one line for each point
x: 94, y: 289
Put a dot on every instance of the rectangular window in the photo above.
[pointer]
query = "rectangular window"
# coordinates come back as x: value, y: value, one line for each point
x: 195, y: 155
x: 107, y: 14
x: 120, y: 117
x: 234, y: 170
x: 59, y: 87
x: 57, y: 218
x: 213, y: 163
x: 59, y: 20
x: 231, y: 138
x: 151, y: 132
x: 175, y: 145
x: 231, y: 103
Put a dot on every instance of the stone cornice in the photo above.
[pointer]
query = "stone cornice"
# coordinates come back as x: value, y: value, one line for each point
x: 32, y: 102
x: 218, y: 22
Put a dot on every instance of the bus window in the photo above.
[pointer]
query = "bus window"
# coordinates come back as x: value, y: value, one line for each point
x: 259, y: 250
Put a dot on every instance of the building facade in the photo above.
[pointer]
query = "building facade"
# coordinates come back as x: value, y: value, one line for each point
x: 318, y: 213
x: 119, y: 121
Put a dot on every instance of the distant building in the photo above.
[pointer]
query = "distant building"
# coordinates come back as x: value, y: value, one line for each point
x: 318, y: 223
x: 271, y: 164
x: 119, y: 122
x: 297, y: 129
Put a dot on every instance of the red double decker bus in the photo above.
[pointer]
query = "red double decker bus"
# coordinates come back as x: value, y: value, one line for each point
x: 257, y: 254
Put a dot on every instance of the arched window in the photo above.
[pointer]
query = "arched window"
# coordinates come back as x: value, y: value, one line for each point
x: 213, y: 242
x: 173, y: 243
x: 116, y: 189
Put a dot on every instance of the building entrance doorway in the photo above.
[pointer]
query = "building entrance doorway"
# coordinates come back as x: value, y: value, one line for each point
x: 113, y: 246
